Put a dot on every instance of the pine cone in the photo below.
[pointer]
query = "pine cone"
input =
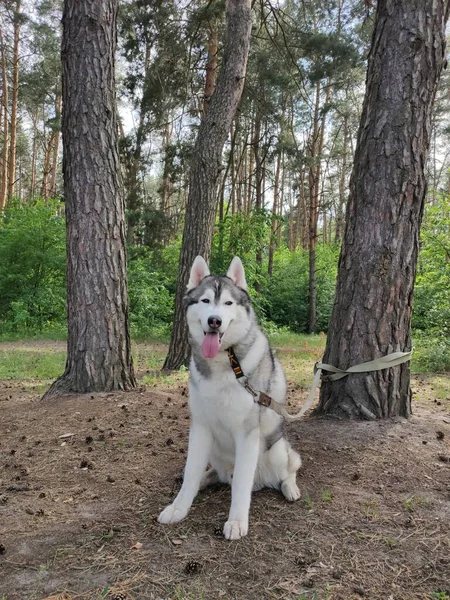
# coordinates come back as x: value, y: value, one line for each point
x: 193, y: 567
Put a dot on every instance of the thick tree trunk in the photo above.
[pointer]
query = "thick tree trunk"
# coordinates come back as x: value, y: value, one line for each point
x: 377, y: 266
x: 99, y: 349
x: 14, y: 103
x: 207, y: 164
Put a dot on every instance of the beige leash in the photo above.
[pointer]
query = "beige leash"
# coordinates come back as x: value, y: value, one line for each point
x: 385, y: 362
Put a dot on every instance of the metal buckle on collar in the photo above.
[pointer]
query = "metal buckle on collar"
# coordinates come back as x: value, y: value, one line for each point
x: 250, y: 390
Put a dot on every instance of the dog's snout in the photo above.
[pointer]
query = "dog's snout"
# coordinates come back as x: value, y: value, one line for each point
x: 214, y: 322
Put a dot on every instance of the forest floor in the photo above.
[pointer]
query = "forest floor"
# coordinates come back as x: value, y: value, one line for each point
x: 83, y: 478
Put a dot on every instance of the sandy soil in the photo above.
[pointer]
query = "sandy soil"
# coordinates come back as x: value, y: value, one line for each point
x: 82, y: 480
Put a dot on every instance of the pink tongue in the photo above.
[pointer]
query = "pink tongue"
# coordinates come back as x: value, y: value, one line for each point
x: 210, y: 346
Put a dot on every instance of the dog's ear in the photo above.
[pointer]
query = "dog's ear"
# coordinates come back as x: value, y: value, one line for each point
x: 236, y: 273
x: 199, y: 271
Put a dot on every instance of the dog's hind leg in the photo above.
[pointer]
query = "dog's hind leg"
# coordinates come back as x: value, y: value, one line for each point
x: 279, y: 470
x: 289, y: 487
x: 209, y: 478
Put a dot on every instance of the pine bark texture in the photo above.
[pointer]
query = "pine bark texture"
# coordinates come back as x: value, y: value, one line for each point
x: 99, y: 352
x: 207, y: 165
x: 14, y: 103
x: 372, y: 311
x: 4, y: 108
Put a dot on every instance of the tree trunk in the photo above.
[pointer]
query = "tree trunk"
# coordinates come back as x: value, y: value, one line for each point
x: 99, y: 348
x: 314, y: 192
x: 47, y: 166
x: 313, y: 214
x: 14, y: 103
x: 211, y: 65
x: 377, y: 266
x: 259, y: 175
x: 4, y: 108
x: 133, y: 184
x: 273, y: 223
x: 55, y: 154
x: 342, y: 182
x: 207, y: 164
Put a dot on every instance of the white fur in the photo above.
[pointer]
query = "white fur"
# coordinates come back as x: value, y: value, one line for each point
x: 236, y: 273
x: 199, y: 271
x: 228, y: 429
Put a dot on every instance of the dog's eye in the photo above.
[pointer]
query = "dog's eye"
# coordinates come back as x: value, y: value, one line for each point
x: 205, y: 300
x: 228, y: 303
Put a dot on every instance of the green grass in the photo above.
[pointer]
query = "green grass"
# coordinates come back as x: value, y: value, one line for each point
x: 53, y: 334
x: 31, y: 363
x: 327, y: 496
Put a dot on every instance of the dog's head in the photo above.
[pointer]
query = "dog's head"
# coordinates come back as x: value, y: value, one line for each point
x: 219, y: 312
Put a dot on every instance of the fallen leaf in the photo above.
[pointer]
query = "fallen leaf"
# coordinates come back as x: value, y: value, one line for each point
x: 137, y: 546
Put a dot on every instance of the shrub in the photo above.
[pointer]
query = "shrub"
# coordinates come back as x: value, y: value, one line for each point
x: 151, y: 303
x: 286, y: 292
x: 32, y: 266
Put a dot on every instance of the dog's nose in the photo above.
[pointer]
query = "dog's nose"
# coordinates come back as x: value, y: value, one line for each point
x: 214, y: 322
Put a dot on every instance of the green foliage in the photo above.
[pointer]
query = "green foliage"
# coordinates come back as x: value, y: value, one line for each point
x: 431, y: 352
x: 244, y: 236
x: 432, y: 290
x: 32, y: 266
x: 286, y: 292
x: 151, y: 303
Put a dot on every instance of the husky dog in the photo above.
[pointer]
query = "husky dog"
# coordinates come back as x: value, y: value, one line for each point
x: 241, y: 440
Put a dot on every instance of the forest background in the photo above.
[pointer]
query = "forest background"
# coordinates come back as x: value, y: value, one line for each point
x: 286, y: 166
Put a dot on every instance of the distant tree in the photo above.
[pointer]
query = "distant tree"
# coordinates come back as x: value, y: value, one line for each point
x: 377, y: 266
x: 207, y: 164
x: 99, y: 348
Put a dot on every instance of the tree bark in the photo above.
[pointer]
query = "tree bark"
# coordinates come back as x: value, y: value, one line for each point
x: 211, y: 65
x: 4, y: 107
x: 316, y: 147
x: 14, y: 103
x: 99, y: 348
x: 55, y: 154
x: 377, y: 266
x: 342, y: 184
x: 207, y: 165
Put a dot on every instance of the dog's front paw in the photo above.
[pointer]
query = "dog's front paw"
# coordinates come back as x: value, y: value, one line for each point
x: 172, y: 514
x: 235, y: 530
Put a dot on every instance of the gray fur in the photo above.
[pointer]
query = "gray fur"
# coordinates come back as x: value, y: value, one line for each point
x: 218, y: 284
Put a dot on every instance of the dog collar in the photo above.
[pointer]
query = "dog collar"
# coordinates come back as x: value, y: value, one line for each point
x: 258, y: 397
x: 235, y: 364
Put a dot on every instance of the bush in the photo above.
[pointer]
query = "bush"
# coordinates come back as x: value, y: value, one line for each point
x: 151, y: 303
x: 431, y: 353
x: 432, y: 289
x: 287, y: 293
x: 32, y: 266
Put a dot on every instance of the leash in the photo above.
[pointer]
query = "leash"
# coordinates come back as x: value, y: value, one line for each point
x: 385, y: 362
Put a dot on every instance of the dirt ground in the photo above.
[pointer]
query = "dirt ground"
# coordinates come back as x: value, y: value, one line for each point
x: 82, y: 480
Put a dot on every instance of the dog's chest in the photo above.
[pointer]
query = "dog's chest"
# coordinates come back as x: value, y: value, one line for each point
x: 223, y: 404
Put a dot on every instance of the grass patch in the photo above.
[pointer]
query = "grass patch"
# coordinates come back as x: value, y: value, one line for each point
x: 54, y: 334
x: 31, y: 363
x: 327, y: 496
